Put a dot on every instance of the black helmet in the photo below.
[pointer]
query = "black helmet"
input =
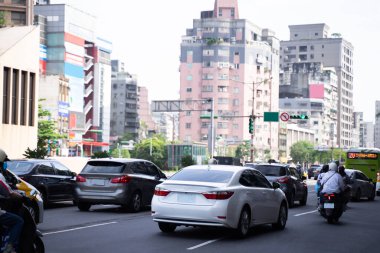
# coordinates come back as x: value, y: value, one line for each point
x: 3, y: 156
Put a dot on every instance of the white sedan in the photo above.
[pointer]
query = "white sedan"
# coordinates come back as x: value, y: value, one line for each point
x: 220, y: 196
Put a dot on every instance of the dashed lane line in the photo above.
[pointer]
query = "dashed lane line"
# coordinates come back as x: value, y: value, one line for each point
x: 300, y: 214
x: 79, y: 228
x: 203, y: 244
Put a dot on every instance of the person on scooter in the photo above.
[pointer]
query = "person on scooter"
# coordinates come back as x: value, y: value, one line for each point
x: 13, y: 222
x: 332, y: 182
x: 347, y: 188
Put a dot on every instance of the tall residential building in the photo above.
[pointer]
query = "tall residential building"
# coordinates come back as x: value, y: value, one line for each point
x: 124, y: 103
x: 19, y: 78
x: 144, y: 111
x: 368, y: 135
x: 356, y: 129
x: 309, y: 88
x: 75, y: 52
x: 313, y: 43
x: 16, y: 12
x: 377, y: 124
x: 234, y: 62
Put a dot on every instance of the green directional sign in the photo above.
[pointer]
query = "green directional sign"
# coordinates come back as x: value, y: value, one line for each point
x: 271, y: 116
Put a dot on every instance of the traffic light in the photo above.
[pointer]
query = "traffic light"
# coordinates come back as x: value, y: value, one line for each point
x: 250, y: 126
x: 299, y: 116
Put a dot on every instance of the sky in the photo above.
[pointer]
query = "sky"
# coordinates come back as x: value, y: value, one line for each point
x: 146, y: 35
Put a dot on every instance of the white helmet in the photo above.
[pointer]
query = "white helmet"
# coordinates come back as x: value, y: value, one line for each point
x: 333, y: 167
x: 3, y: 156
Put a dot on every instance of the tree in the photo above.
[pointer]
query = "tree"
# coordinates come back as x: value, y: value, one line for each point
x: 101, y: 154
x: 243, y: 150
x: 187, y: 161
x: 47, y: 137
x: 152, y: 149
x: 124, y: 153
x: 302, y: 151
x: 2, y: 19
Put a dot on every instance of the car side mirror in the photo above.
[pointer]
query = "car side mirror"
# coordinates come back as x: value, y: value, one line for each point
x: 276, y: 185
x: 303, y: 178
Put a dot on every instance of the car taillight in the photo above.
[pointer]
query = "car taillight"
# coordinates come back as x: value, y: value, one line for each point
x: 161, y: 192
x: 80, y: 179
x: 283, y: 180
x: 218, y: 195
x: 121, y: 180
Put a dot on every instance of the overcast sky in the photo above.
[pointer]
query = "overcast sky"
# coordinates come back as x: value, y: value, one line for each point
x: 146, y: 35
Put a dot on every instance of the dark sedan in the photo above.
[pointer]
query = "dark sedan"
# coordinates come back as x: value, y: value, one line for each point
x: 292, y: 183
x: 361, y: 185
x: 54, y: 180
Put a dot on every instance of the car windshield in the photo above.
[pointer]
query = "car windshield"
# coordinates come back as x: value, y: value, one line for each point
x: 20, y: 168
x: 103, y: 167
x: 214, y: 176
x: 271, y: 170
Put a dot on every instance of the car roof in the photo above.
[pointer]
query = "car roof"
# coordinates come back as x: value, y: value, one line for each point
x: 274, y: 164
x: 232, y: 168
x: 120, y: 160
x: 32, y: 160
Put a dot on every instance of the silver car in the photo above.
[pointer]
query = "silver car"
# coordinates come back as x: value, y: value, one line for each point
x: 220, y: 196
x: 126, y: 182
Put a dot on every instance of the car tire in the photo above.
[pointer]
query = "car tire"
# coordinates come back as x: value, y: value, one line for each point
x: 82, y: 206
x: 378, y: 193
x: 135, y: 203
x: 44, y: 198
x: 282, y: 218
x: 372, y: 196
x: 358, y: 195
x: 244, y: 223
x: 290, y: 199
x: 38, y: 245
x: 303, y: 201
x: 167, y: 227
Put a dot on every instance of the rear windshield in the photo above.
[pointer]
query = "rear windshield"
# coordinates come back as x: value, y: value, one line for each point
x: 103, y: 167
x: 271, y: 170
x: 20, y: 168
x: 214, y: 176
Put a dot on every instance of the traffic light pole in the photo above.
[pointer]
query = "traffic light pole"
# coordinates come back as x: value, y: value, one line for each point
x: 253, y: 120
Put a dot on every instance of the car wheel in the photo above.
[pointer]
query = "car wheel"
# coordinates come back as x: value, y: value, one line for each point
x: 291, y: 197
x: 135, y: 203
x: 244, y: 223
x: 167, y: 227
x: 282, y: 218
x: 44, y: 198
x: 378, y: 193
x: 84, y: 206
x: 358, y: 195
x: 372, y: 196
x: 38, y: 245
x: 304, y: 199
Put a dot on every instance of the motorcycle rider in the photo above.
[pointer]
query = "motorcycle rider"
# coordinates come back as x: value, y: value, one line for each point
x: 12, y: 221
x: 347, y: 188
x: 332, y: 181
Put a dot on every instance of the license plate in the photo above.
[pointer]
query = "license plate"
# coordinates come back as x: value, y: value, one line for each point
x: 328, y: 205
x: 98, y: 182
x: 186, y: 198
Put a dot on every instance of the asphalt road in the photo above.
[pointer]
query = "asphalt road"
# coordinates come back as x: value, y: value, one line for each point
x: 109, y: 229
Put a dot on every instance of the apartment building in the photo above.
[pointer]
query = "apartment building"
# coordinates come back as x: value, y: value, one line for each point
x: 16, y: 12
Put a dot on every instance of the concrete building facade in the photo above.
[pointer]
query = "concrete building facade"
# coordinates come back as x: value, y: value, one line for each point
x: 314, y: 43
x: 19, y: 78
x: 234, y: 62
x: 377, y: 124
x: 368, y: 135
x: 16, y: 12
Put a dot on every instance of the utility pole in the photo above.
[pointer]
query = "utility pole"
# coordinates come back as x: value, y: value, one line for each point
x: 253, y: 120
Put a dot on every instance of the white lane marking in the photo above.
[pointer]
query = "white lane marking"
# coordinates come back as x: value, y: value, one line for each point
x: 78, y: 228
x: 300, y: 214
x: 203, y: 244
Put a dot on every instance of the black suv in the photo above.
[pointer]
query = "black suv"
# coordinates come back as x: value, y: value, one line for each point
x: 54, y: 180
x: 292, y: 183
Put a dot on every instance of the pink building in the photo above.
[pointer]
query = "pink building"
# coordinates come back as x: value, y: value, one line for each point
x: 236, y: 63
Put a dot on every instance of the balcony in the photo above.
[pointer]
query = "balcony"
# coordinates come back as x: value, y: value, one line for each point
x: 88, y: 64
x: 88, y: 91
x: 88, y: 77
x: 88, y: 125
x: 88, y: 107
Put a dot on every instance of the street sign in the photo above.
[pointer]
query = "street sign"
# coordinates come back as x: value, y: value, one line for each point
x: 284, y: 116
x: 271, y: 116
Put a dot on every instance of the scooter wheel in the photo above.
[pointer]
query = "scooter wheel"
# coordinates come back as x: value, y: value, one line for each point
x: 38, y: 246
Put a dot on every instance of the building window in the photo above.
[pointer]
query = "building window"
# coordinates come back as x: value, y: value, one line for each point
x: 302, y: 49
x: 18, y: 18
x: 222, y: 88
x: 235, y: 102
x: 188, y: 113
x: 188, y: 125
x: 189, y: 78
x: 236, y: 90
x: 222, y: 101
x: 23, y: 104
x: 220, y: 12
x: 295, y: 35
x: 311, y: 47
x: 323, y: 55
x: 189, y: 89
x: 32, y: 83
x: 15, y: 97
x: 311, y: 56
x: 207, y: 88
x: 6, y: 94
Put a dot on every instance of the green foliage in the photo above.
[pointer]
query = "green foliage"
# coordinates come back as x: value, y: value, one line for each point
x: 2, y: 19
x: 187, y: 161
x: 243, y: 150
x: 124, y: 153
x: 157, y: 145
x: 100, y: 154
x: 37, y: 153
x: 301, y: 151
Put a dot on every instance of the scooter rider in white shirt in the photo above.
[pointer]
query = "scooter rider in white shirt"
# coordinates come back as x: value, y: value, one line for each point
x: 332, y: 181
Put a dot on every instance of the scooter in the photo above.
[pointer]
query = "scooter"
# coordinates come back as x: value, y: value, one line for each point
x: 31, y: 237
x: 331, y: 207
